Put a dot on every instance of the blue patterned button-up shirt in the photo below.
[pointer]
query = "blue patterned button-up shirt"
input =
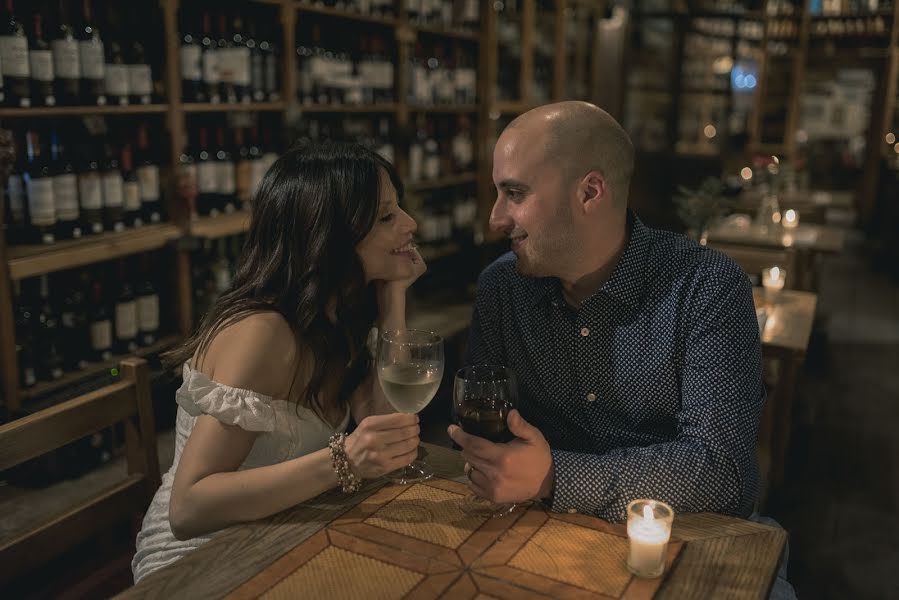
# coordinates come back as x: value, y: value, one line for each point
x: 652, y: 389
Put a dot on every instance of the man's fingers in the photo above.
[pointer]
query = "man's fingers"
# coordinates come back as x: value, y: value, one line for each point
x: 474, y: 445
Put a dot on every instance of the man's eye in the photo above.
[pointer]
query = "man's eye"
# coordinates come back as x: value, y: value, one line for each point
x: 513, y: 194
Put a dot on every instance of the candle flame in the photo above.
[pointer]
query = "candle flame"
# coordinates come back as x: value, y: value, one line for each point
x: 775, y: 273
x: 647, y: 513
x: 790, y: 215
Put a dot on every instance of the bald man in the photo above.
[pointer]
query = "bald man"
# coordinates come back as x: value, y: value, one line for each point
x: 637, y: 351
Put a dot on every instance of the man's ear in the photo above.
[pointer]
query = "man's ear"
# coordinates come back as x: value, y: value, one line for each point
x: 592, y: 190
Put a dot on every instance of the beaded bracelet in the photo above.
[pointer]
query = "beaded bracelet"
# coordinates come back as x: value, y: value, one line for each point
x: 347, y: 480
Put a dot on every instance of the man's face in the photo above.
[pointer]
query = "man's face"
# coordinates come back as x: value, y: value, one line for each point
x: 534, y: 205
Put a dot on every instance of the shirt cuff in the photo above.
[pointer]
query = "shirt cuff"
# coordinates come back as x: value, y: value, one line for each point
x: 573, y: 488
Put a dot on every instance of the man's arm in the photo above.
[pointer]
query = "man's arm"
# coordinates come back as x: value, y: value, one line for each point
x: 711, y: 465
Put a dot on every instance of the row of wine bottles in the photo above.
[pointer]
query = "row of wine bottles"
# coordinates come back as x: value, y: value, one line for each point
x: 64, y: 321
x: 448, y: 215
x: 439, y: 13
x: 60, y: 63
x: 212, y: 271
x: 67, y: 185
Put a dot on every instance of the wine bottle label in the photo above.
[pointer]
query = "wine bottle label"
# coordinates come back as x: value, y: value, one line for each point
x: 117, y: 80
x: 191, y: 62
x: 386, y: 75
x: 68, y: 319
x: 29, y: 376
x: 148, y: 175
x: 90, y: 53
x: 41, y: 63
x: 113, y: 194
x: 257, y: 172
x: 222, y: 278
x: 207, y: 177
x: 14, y: 56
x: 243, y: 177
x: 90, y: 191
x: 66, y: 62
x: 40, y: 201
x: 140, y: 80
x: 211, y: 71
x: 227, y: 64
x: 225, y: 174
x: 126, y: 320
x: 101, y: 335
x: 369, y: 72
x: 462, y: 150
x: 65, y: 195
x: 131, y: 196
x: 148, y: 313
x: 16, y: 192
x: 432, y: 166
x: 257, y: 72
x: 416, y: 158
x: 242, y: 67
x: 421, y: 84
x: 471, y: 11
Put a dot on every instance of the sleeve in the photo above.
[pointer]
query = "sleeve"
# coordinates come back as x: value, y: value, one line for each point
x: 710, y: 466
x: 232, y: 406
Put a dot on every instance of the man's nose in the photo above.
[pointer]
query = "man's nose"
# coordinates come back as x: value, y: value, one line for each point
x: 499, y: 219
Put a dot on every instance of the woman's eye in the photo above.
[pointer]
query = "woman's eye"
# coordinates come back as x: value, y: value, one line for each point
x: 386, y: 218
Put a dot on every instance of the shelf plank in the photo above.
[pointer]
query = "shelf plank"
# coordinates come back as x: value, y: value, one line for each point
x: 81, y: 111
x: 459, y: 34
x: 96, y: 368
x: 345, y: 14
x: 443, y: 182
x: 444, y: 108
x: 32, y: 260
x: 348, y: 108
x: 220, y: 226
x: 208, y: 107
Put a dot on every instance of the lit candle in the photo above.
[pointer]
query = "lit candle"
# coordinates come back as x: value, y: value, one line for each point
x: 648, y: 529
x: 773, y: 282
x: 791, y: 219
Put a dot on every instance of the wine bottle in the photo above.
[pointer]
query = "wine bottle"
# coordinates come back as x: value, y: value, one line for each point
x: 91, y: 56
x: 14, y: 62
x: 50, y: 367
x: 147, y: 305
x: 131, y: 200
x: 39, y: 188
x: 117, y: 85
x: 113, y: 192
x: 25, y: 344
x: 100, y: 324
x: 244, y: 170
x: 140, y: 75
x: 257, y: 170
x: 226, y: 59
x: 75, y: 334
x: 225, y: 173
x: 40, y: 61
x: 125, y: 313
x: 257, y: 66
x: 191, y: 59
x: 65, y: 191
x: 148, y: 176
x: 210, y: 62
x: 90, y: 190
x: 272, y: 75
x: 241, y: 56
x: 66, y: 61
x: 17, y: 228
x: 207, y: 177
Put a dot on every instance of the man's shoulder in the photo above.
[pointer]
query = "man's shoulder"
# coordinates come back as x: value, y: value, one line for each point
x: 500, y: 273
x: 683, y: 257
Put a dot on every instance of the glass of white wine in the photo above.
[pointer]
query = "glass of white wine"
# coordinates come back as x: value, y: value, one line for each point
x: 410, y: 368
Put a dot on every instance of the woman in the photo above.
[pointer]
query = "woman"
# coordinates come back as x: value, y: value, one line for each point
x: 280, y: 362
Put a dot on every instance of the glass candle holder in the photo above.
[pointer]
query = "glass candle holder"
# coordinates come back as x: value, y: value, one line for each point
x: 648, y: 532
x: 773, y: 280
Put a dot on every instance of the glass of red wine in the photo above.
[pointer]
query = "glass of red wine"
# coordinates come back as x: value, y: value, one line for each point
x: 483, y: 395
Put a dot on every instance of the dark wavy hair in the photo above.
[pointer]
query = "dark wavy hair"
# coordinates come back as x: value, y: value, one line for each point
x: 314, y: 205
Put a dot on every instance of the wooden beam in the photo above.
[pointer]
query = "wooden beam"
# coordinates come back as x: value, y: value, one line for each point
x: 9, y: 360
x: 796, y: 82
x: 561, y: 58
x: 528, y: 33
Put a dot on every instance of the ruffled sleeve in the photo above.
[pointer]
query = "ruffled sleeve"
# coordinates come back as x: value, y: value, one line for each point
x: 233, y: 406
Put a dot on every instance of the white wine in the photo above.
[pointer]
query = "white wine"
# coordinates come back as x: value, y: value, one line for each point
x: 410, y: 386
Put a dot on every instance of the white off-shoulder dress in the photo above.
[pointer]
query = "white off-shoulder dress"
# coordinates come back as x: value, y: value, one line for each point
x: 286, y: 431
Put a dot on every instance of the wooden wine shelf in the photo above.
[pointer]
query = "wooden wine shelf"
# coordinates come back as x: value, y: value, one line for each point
x: 444, y: 108
x: 96, y: 368
x: 345, y: 14
x: 29, y: 261
x: 513, y: 107
x: 459, y: 34
x: 443, y: 182
x: 220, y: 226
x: 82, y: 111
x: 348, y: 108
x: 209, y: 107
x: 430, y: 253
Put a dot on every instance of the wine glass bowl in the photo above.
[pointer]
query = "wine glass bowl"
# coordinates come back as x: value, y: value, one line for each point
x: 410, y: 368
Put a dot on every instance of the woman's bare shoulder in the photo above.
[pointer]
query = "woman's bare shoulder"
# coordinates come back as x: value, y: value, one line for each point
x: 257, y: 352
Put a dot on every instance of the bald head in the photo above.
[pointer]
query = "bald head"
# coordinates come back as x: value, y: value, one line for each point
x: 581, y: 137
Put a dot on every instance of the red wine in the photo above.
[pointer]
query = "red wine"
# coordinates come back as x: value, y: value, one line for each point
x: 485, y: 418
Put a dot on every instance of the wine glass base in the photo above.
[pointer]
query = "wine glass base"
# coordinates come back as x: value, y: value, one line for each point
x: 479, y: 507
x: 414, y: 472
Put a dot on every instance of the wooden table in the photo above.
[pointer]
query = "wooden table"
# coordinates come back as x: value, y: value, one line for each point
x: 785, y: 336
x: 720, y: 557
x: 813, y: 206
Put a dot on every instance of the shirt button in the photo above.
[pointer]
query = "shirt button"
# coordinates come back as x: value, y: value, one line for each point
x: 572, y: 511
x: 591, y: 397
x: 584, y: 332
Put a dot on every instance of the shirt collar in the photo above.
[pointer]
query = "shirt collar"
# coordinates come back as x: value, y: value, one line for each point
x: 626, y: 282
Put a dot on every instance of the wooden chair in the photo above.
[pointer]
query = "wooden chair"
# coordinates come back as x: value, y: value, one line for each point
x: 752, y: 259
x: 127, y: 401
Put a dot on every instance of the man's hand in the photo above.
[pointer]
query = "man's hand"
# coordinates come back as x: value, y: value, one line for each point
x: 519, y: 471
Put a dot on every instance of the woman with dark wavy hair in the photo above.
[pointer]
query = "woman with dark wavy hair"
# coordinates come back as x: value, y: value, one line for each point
x: 280, y: 362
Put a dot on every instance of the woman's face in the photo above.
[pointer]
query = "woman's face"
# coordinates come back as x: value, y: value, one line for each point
x: 387, y: 251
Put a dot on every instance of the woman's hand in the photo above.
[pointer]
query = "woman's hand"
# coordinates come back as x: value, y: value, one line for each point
x: 382, y: 443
